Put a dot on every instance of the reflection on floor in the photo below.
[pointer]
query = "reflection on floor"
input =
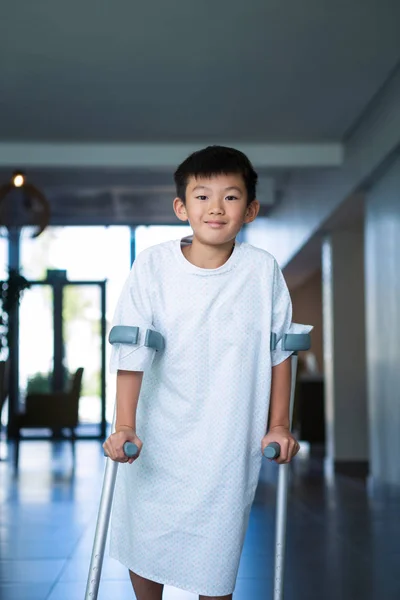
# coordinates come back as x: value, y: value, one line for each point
x: 343, y: 543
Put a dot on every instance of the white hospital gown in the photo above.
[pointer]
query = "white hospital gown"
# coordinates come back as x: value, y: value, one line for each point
x: 181, y: 510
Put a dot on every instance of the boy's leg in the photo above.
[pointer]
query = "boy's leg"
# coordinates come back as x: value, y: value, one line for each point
x: 228, y: 597
x: 145, y: 589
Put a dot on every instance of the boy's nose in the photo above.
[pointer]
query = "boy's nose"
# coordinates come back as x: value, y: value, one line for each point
x: 215, y: 209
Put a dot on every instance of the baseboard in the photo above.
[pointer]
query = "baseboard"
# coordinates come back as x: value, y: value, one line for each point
x: 352, y: 468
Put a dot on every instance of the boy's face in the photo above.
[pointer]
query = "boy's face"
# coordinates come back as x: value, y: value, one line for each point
x: 216, y: 207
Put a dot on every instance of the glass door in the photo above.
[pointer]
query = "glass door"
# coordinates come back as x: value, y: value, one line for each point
x: 63, y: 328
x: 83, y: 318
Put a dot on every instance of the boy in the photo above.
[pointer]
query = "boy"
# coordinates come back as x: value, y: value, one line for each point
x: 181, y: 511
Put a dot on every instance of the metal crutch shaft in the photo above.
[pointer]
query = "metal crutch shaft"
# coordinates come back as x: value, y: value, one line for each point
x: 281, y: 503
x: 103, y: 518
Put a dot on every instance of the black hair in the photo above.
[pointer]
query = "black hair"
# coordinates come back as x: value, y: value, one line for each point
x: 216, y: 160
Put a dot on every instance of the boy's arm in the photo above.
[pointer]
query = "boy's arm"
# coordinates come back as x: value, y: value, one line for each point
x: 279, y: 413
x: 280, y: 395
x: 128, y: 390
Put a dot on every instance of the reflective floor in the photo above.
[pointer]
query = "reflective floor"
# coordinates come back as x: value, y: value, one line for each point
x: 343, y: 543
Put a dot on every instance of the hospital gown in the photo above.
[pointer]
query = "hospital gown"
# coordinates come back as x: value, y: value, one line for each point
x: 181, y: 510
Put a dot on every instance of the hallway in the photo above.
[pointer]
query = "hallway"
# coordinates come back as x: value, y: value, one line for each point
x: 342, y: 543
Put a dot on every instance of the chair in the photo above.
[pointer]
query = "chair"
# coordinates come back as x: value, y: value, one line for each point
x: 54, y: 410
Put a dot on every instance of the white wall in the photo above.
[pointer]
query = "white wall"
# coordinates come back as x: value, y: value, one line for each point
x: 382, y: 270
x: 307, y: 308
x: 344, y: 347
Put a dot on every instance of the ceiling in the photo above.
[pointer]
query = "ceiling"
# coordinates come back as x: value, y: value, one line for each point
x: 218, y: 71
x: 183, y: 71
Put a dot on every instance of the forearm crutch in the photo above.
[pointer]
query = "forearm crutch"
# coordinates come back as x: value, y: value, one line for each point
x: 293, y: 342
x: 119, y: 334
x: 103, y: 518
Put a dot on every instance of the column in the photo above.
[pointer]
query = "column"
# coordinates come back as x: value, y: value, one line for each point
x: 382, y: 260
x: 344, y: 352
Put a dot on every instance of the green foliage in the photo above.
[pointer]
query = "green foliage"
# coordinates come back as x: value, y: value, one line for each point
x: 40, y: 383
x: 75, y: 303
x: 92, y: 386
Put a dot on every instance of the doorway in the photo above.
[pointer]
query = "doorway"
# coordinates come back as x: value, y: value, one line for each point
x: 68, y: 317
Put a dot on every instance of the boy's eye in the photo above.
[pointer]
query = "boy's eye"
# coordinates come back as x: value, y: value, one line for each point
x: 201, y: 197
x: 231, y: 198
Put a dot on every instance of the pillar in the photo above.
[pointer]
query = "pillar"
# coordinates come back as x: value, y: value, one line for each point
x: 344, y: 352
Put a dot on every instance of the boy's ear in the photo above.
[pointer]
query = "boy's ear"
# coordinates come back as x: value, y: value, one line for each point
x: 180, y: 209
x: 252, y: 211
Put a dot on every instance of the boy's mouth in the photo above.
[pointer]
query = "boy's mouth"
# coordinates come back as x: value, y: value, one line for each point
x: 215, y: 223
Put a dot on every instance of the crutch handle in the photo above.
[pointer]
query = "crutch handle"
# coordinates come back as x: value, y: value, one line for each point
x: 273, y: 450
x: 130, y: 450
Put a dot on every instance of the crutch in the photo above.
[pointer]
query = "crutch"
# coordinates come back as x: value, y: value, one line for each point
x: 293, y: 342
x: 103, y: 518
x: 119, y: 334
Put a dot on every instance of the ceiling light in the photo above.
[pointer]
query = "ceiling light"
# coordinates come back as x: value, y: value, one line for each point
x: 18, y: 180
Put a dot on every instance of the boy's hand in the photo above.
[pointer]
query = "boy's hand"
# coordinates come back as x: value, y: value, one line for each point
x: 114, y: 445
x: 281, y: 435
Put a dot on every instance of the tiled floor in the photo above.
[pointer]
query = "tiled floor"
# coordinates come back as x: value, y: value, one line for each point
x: 343, y: 543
